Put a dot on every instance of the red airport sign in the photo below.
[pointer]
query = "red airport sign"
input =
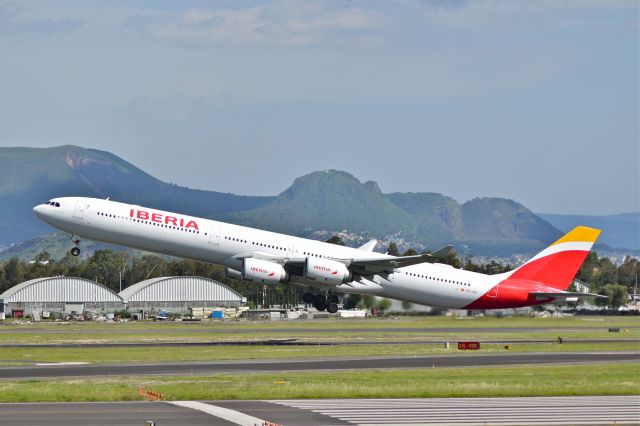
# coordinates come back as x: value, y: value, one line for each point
x: 468, y: 346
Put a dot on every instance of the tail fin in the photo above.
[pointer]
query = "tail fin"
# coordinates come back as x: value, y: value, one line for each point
x: 557, y: 265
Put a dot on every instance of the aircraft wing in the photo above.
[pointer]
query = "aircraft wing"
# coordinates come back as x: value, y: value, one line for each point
x: 389, y: 264
x: 363, y: 266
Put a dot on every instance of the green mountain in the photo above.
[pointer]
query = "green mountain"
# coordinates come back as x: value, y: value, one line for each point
x: 30, y: 176
x: 319, y: 203
x: 334, y: 201
x: 329, y: 200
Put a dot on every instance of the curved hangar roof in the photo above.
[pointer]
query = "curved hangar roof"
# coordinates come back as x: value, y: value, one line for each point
x: 60, y: 289
x: 180, y: 289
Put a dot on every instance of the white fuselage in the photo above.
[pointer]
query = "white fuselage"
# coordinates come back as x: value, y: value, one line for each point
x: 226, y: 244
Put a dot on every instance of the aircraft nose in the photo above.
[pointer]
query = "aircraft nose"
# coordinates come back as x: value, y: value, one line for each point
x: 39, y: 210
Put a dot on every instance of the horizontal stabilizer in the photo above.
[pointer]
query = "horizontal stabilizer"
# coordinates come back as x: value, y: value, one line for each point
x: 566, y: 295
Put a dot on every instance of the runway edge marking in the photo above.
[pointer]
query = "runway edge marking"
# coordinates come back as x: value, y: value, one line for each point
x: 224, y: 413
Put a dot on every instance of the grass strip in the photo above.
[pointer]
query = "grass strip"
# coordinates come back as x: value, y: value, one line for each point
x: 408, y: 322
x: 601, y: 379
x: 27, y: 356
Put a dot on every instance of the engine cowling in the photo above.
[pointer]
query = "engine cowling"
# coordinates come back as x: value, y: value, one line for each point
x: 325, y: 271
x: 232, y: 273
x: 263, y: 271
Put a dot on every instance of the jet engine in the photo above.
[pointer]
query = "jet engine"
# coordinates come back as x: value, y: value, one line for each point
x: 263, y: 271
x: 232, y: 273
x: 325, y: 271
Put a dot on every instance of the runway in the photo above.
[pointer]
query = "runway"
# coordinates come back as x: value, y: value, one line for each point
x: 434, y: 361
x: 589, y: 410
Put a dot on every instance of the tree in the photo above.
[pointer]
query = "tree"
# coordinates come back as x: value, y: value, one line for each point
x: 406, y: 305
x: 410, y: 252
x: 383, y: 304
x: 616, y: 296
x: 43, y: 257
x: 367, y: 301
x: 335, y: 240
x: 352, y: 301
x: 451, y: 259
x: 14, y: 273
x: 393, y: 249
x: 628, y: 271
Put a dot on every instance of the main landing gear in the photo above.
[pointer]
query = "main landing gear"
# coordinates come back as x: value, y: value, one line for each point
x: 321, y: 303
x: 76, y: 250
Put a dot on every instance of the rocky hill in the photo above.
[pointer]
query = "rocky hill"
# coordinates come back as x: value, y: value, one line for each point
x: 319, y: 203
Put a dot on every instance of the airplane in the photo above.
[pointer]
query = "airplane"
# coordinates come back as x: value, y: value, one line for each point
x: 271, y: 258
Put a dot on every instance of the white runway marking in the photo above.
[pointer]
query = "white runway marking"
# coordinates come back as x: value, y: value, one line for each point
x: 221, y: 412
x: 596, y: 410
x: 49, y: 364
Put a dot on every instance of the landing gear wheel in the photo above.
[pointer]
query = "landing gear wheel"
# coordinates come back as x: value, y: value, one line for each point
x: 75, y: 251
x: 332, y: 308
x: 333, y: 299
x: 320, y: 302
x: 307, y: 297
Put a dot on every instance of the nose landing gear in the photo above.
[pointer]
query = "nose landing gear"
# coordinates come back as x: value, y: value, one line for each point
x: 76, y: 250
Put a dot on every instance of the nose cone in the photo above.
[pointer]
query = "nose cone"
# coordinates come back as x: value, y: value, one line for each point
x: 39, y: 211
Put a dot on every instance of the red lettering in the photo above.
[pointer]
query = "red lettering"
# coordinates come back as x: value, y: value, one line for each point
x: 131, y: 213
x: 170, y: 220
x: 156, y: 217
x: 192, y: 224
x: 143, y: 215
x: 181, y: 222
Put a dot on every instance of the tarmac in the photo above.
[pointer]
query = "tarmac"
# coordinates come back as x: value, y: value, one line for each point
x: 346, y: 363
x: 586, y: 410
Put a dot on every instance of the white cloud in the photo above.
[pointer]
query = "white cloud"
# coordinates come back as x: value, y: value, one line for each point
x: 283, y: 24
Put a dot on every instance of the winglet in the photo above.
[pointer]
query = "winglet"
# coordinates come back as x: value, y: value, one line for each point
x: 369, y: 246
x: 442, y: 252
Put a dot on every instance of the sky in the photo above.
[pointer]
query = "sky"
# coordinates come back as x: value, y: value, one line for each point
x: 533, y: 100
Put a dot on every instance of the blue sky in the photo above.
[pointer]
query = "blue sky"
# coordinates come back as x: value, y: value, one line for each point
x: 537, y: 101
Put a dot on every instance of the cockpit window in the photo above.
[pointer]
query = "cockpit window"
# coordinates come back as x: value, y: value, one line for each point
x: 57, y: 204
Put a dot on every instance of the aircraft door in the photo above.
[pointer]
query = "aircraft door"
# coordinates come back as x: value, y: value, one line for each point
x: 78, y: 213
x: 291, y: 251
x: 214, y: 235
x: 493, y: 292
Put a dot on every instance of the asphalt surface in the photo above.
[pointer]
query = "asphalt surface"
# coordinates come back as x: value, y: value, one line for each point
x: 190, y: 368
x: 593, y: 410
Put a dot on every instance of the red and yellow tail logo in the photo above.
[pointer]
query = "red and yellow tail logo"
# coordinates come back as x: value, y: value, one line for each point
x: 556, y: 265
x: 552, y: 269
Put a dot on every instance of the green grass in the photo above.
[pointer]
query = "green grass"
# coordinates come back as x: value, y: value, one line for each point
x: 606, y: 379
x: 27, y: 356
x: 418, y: 330
x: 408, y: 322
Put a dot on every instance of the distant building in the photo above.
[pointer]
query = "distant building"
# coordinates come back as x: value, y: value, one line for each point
x: 179, y: 294
x: 59, y: 296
